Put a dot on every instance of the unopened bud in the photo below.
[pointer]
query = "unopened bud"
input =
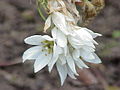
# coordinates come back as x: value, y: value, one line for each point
x: 99, y: 4
x: 89, y: 10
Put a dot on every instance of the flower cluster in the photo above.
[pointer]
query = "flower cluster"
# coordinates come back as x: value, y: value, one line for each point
x: 68, y: 47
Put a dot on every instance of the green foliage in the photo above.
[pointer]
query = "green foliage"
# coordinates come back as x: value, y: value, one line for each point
x: 116, y: 34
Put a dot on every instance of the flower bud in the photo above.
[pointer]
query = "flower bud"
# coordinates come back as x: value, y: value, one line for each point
x: 89, y: 10
x: 99, y: 4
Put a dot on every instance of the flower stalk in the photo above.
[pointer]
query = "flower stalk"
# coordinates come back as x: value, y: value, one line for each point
x: 42, y: 3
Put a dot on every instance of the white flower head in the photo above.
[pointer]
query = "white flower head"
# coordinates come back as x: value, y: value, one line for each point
x: 47, y: 52
x: 66, y: 51
x: 43, y: 52
x: 69, y: 46
x: 83, y: 44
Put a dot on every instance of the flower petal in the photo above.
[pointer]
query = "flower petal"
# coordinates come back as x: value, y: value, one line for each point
x: 47, y: 23
x: 65, y: 49
x: 56, y: 51
x: 34, y: 40
x: 80, y: 63
x: 94, y: 35
x: 61, y: 39
x: 88, y: 49
x: 96, y: 60
x: 86, y: 55
x: 62, y: 70
x: 32, y: 53
x: 83, y: 34
x: 70, y: 73
x: 62, y: 59
x: 59, y: 21
x: 76, y: 54
x: 46, y: 37
x: 75, y: 41
x: 42, y: 61
x: 71, y: 64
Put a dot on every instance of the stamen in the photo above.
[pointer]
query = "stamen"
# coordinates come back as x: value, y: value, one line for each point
x: 48, y: 46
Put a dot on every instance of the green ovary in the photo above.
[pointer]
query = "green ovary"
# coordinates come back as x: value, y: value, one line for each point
x: 48, y: 46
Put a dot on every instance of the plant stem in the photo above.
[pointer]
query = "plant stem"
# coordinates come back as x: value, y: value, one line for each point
x: 41, y: 14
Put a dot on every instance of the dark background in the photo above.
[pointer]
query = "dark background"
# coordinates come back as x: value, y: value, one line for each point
x: 19, y: 19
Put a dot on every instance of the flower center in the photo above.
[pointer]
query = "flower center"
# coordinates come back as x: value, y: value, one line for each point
x: 48, y: 46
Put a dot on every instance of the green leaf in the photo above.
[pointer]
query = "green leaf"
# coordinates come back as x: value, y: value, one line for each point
x: 116, y: 34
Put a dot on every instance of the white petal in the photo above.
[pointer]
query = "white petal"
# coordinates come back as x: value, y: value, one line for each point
x: 32, y: 53
x: 96, y: 60
x: 78, y: 42
x: 90, y: 44
x: 95, y: 42
x: 62, y: 59
x: 59, y: 21
x: 54, y: 32
x: 65, y: 49
x: 88, y: 49
x: 70, y: 73
x: 94, y: 35
x: 46, y: 37
x: 56, y: 51
x: 84, y: 35
x: 75, y: 41
x: 60, y: 37
x: 71, y: 64
x: 70, y: 18
x: 62, y: 70
x: 76, y: 54
x: 53, y: 5
x: 42, y: 61
x: 47, y: 23
x: 34, y: 40
x: 81, y: 64
x: 86, y: 55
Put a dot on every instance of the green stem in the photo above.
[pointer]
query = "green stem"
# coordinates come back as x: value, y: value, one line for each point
x: 39, y: 3
x: 41, y: 14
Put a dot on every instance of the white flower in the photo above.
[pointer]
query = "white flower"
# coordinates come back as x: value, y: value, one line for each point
x: 58, y: 19
x: 55, y: 17
x: 66, y: 66
x: 43, y: 53
x: 48, y: 51
x: 83, y: 44
x: 83, y: 55
x: 64, y: 70
x: 70, y: 45
x: 82, y: 38
x: 66, y: 51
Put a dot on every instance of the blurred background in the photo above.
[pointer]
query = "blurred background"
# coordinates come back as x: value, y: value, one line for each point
x: 19, y: 19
